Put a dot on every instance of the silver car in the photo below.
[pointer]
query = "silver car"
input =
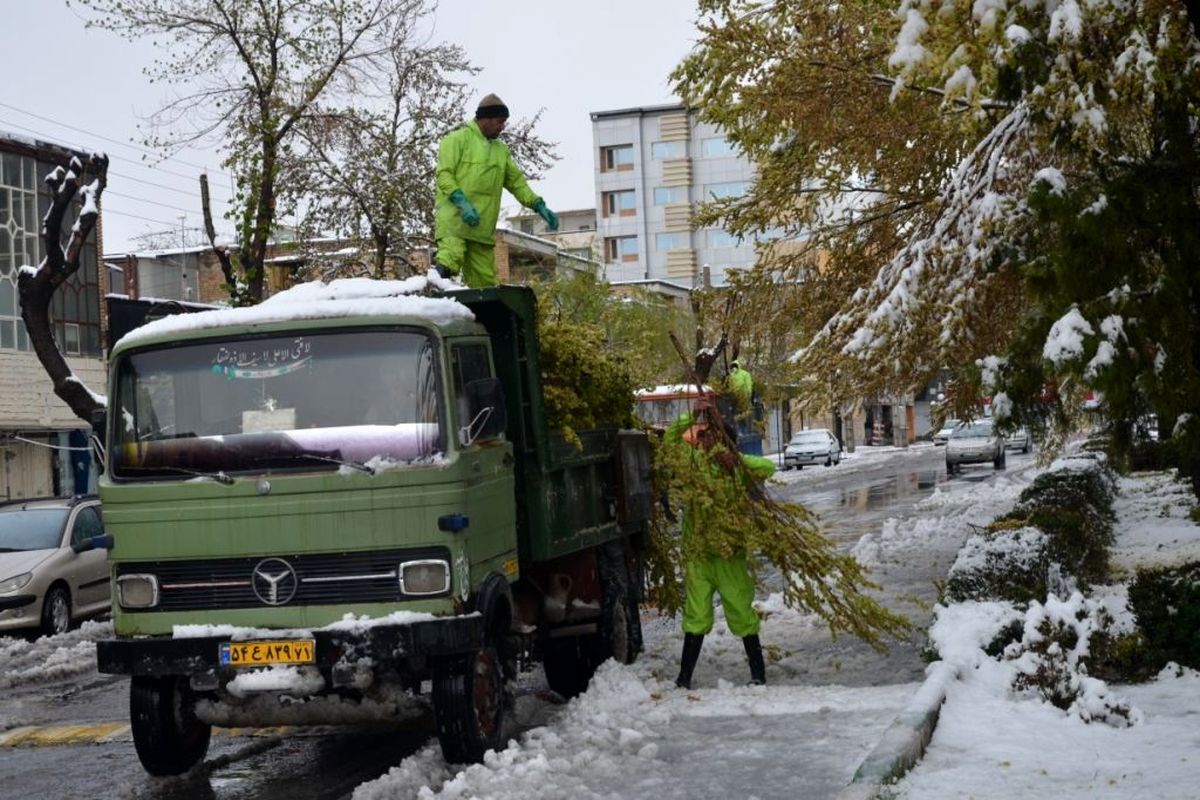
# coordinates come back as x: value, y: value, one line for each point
x: 974, y: 443
x: 1019, y: 440
x: 53, y: 563
x: 815, y: 446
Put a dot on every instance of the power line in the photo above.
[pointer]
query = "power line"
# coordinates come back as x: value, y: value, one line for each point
x: 145, y: 166
x: 188, y: 192
x: 110, y: 193
x: 95, y: 135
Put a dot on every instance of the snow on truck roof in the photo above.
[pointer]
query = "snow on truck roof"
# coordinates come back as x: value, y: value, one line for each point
x: 346, y: 297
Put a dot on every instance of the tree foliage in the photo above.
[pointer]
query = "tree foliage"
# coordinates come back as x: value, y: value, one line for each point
x: 249, y: 73
x: 977, y: 173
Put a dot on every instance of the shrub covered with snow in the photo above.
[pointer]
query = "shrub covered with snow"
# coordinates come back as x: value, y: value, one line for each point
x: 1166, y: 605
x: 1072, y: 504
x: 1060, y: 641
x: 1000, y: 564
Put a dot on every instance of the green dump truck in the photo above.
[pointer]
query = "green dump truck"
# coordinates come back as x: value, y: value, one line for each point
x: 349, y: 493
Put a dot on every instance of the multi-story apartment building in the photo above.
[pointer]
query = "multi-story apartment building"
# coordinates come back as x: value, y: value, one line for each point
x: 653, y: 166
x: 37, y: 429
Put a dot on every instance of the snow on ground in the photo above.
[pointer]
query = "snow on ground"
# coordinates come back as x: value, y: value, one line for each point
x: 862, y: 458
x: 49, y: 658
x: 990, y: 742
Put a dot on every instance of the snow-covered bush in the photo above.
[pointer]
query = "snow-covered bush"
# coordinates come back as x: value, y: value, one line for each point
x: 1000, y: 564
x: 1061, y: 639
x: 1166, y: 605
x: 1072, y: 505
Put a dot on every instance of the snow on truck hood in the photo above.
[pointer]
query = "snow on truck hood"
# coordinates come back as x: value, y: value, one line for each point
x: 346, y: 297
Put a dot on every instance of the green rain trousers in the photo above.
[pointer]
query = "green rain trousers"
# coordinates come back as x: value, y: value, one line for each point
x: 704, y: 577
x: 480, y: 168
x: 729, y: 576
x: 474, y: 261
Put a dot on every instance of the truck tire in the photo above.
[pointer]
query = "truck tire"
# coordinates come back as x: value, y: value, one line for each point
x: 468, y: 705
x: 168, y: 737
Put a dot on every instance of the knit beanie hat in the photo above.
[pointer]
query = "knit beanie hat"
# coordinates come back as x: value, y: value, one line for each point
x: 491, y: 107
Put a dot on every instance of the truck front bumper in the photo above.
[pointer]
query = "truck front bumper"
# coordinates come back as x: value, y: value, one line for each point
x: 160, y: 656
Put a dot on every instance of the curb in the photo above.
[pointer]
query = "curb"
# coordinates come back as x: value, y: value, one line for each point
x: 905, y: 740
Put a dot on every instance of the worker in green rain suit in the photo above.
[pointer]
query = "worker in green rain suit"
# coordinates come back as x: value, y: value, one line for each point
x: 741, y: 386
x: 473, y: 166
x: 707, y: 575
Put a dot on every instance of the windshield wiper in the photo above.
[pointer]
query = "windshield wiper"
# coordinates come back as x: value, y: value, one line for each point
x: 219, y: 477
x: 358, y: 465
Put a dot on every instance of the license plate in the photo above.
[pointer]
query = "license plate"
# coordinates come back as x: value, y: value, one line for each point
x: 283, y: 651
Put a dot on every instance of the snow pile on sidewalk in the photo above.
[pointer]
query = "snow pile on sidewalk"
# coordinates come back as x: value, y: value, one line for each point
x: 990, y: 736
x: 613, y: 742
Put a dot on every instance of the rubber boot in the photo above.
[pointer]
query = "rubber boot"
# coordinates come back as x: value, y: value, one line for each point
x: 687, y: 662
x: 754, y: 654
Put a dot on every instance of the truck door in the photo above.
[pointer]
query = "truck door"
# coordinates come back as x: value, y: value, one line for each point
x: 491, y: 502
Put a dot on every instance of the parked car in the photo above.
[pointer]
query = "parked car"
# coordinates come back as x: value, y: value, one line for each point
x: 814, y: 446
x: 1018, y: 440
x: 941, y: 436
x: 53, y: 571
x: 974, y: 443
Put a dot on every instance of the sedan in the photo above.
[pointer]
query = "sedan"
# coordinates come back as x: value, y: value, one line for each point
x: 53, y: 564
x: 816, y: 446
x: 1018, y: 440
x: 974, y: 443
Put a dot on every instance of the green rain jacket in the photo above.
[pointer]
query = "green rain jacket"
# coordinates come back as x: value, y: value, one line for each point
x: 761, y: 468
x: 481, y: 167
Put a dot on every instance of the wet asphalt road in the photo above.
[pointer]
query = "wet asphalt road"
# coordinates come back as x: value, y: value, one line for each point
x: 852, y: 499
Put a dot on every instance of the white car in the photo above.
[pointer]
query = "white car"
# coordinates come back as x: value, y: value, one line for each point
x: 974, y: 443
x: 814, y: 446
x: 1018, y: 440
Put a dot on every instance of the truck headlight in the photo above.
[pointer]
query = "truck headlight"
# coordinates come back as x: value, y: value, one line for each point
x: 15, y: 582
x: 425, y: 577
x: 137, y: 591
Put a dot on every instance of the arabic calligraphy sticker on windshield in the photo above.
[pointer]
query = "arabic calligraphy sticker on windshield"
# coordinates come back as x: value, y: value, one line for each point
x: 252, y: 362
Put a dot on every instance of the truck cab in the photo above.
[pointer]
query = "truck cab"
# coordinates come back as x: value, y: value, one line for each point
x: 352, y: 488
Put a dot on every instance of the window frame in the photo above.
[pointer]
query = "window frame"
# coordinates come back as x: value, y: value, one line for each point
x: 610, y: 160
x: 668, y: 145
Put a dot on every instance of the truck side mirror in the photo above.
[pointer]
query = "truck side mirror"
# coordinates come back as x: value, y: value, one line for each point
x: 99, y: 435
x: 487, y: 414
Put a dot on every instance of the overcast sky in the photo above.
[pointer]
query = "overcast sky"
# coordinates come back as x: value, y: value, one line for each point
x: 85, y: 88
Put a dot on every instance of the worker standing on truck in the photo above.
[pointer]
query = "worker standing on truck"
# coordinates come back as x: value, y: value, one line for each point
x: 473, y: 166
x: 707, y: 574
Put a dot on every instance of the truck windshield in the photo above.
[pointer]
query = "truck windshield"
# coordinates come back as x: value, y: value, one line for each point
x: 309, y: 401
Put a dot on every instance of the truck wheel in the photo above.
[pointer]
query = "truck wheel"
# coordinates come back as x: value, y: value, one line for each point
x: 168, y: 737
x: 468, y: 705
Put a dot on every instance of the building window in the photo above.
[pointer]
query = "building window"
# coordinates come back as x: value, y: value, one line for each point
x: 618, y: 158
x: 732, y: 189
x: 717, y: 147
x: 24, y: 200
x: 619, y: 204
x: 672, y: 241
x: 621, y: 248
x: 662, y: 150
x: 526, y: 226
x: 664, y: 195
x: 723, y: 239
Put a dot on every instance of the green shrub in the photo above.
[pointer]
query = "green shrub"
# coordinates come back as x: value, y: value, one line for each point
x: 1166, y: 604
x: 1074, y: 509
x: 1002, y: 564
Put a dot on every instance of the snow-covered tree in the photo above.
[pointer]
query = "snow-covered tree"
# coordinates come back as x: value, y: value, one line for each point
x: 1053, y: 188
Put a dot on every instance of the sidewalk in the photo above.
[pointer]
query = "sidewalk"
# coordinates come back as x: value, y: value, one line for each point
x: 990, y: 742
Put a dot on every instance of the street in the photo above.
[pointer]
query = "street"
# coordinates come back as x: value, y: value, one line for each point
x: 866, y: 503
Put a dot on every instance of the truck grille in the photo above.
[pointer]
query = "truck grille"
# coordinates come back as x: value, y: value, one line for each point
x: 314, y: 579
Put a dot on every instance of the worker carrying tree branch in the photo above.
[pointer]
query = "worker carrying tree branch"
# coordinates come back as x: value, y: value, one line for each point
x: 473, y: 166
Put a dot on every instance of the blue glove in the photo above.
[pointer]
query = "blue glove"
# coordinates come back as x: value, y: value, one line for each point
x: 465, y: 209
x: 546, y: 214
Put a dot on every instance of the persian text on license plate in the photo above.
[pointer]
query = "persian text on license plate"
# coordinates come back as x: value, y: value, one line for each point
x: 283, y: 651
